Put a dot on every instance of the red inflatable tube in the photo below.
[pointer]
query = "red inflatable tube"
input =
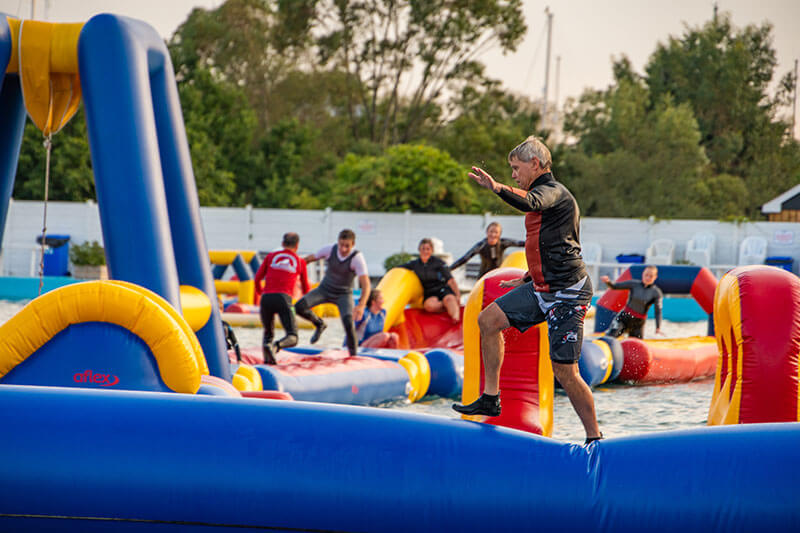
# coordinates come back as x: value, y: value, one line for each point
x: 677, y: 360
x: 268, y: 394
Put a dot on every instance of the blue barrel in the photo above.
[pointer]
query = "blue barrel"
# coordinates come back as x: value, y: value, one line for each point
x: 56, y: 255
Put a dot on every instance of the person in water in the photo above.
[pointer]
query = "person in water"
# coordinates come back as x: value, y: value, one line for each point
x: 440, y: 290
x: 556, y: 288
x: 642, y: 295
x: 491, y: 249
x: 370, y: 328
x: 344, y: 265
x: 280, y: 271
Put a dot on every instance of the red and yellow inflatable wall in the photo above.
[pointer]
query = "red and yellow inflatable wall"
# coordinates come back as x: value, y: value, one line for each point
x: 757, y: 321
x: 526, y: 381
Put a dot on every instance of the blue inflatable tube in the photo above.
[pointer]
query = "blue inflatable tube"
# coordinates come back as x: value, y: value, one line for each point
x: 447, y: 368
x: 364, y: 384
x: 593, y: 364
x: 617, y: 355
x: 98, y: 460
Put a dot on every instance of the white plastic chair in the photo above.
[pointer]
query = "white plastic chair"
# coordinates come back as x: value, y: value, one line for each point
x: 660, y: 252
x: 700, y: 249
x: 753, y: 251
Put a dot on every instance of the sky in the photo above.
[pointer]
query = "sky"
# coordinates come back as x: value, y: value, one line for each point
x: 586, y: 34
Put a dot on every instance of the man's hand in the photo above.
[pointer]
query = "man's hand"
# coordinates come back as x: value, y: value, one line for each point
x: 516, y: 282
x: 358, y: 312
x: 605, y: 279
x: 483, y: 179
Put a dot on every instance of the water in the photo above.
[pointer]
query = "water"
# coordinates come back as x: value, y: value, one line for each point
x: 621, y: 409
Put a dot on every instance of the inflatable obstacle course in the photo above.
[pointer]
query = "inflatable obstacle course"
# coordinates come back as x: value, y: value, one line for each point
x: 757, y: 319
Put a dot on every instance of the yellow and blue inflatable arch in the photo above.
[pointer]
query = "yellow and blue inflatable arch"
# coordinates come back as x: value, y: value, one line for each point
x: 146, y: 192
x: 101, y: 334
x: 245, y: 264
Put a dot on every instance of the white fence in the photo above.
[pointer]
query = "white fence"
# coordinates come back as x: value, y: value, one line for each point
x: 379, y: 235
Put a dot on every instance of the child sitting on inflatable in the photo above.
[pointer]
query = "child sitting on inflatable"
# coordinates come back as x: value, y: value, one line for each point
x: 370, y: 328
x: 643, y: 294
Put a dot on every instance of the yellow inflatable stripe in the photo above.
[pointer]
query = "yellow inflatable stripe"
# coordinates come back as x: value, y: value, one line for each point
x: 226, y: 257
x: 47, y: 63
x: 195, y: 306
x: 197, y: 349
x: 247, y: 290
x: 413, y: 378
x: 472, y: 346
x: 248, y: 377
x: 102, y: 301
x: 726, y: 397
x: 609, y: 358
x: 516, y: 260
x: 423, y: 374
x: 546, y: 382
x: 226, y: 287
x: 400, y: 287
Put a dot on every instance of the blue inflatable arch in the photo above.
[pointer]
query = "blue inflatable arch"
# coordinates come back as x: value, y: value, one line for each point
x: 149, y: 209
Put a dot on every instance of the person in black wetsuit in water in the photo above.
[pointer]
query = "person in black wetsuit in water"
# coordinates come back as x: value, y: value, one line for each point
x: 642, y: 295
x: 491, y: 249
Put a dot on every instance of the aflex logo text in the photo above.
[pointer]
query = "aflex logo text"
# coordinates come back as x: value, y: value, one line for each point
x: 104, y: 380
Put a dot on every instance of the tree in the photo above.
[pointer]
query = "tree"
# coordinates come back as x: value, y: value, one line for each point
x: 723, y: 73
x: 71, y: 176
x: 633, y: 159
x: 488, y: 122
x: 381, y: 44
x: 251, y: 44
x: 223, y: 133
x: 415, y: 177
x: 284, y: 183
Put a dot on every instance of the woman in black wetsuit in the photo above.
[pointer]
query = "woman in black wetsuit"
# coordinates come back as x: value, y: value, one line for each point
x: 440, y: 289
x: 491, y: 249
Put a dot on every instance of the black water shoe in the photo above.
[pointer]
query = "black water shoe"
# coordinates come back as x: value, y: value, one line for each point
x: 318, y: 332
x: 590, y: 440
x: 269, y: 355
x: 485, y: 405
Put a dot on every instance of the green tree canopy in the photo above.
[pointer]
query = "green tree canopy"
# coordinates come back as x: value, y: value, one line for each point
x: 633, y: 160
x: 415, y: 177
x: 380, y: 43
x: 71, y: 176
x: 723, y: 73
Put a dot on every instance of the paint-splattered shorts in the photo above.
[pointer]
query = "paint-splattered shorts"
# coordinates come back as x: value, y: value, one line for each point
x: 564, y: 311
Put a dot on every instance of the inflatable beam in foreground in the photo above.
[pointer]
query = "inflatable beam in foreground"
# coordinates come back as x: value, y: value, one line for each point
x: 757, y: 319
x: 87, y: 460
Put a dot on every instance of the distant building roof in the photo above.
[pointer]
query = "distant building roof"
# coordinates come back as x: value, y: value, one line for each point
x: 788, y: 200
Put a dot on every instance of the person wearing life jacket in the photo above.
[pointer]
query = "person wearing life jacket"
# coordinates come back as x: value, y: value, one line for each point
x: 345, y: 263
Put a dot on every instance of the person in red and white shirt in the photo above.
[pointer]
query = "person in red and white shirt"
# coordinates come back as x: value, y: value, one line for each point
x: 280, y: 271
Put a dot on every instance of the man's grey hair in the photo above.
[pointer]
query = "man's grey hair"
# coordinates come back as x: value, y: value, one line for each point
x: 530, y: 148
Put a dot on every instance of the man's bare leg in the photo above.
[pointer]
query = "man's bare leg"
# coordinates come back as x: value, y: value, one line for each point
x: 580, y: 395
x: 491, y: 321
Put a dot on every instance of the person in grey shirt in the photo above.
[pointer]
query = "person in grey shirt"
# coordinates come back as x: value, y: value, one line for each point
x: 344, y: 265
